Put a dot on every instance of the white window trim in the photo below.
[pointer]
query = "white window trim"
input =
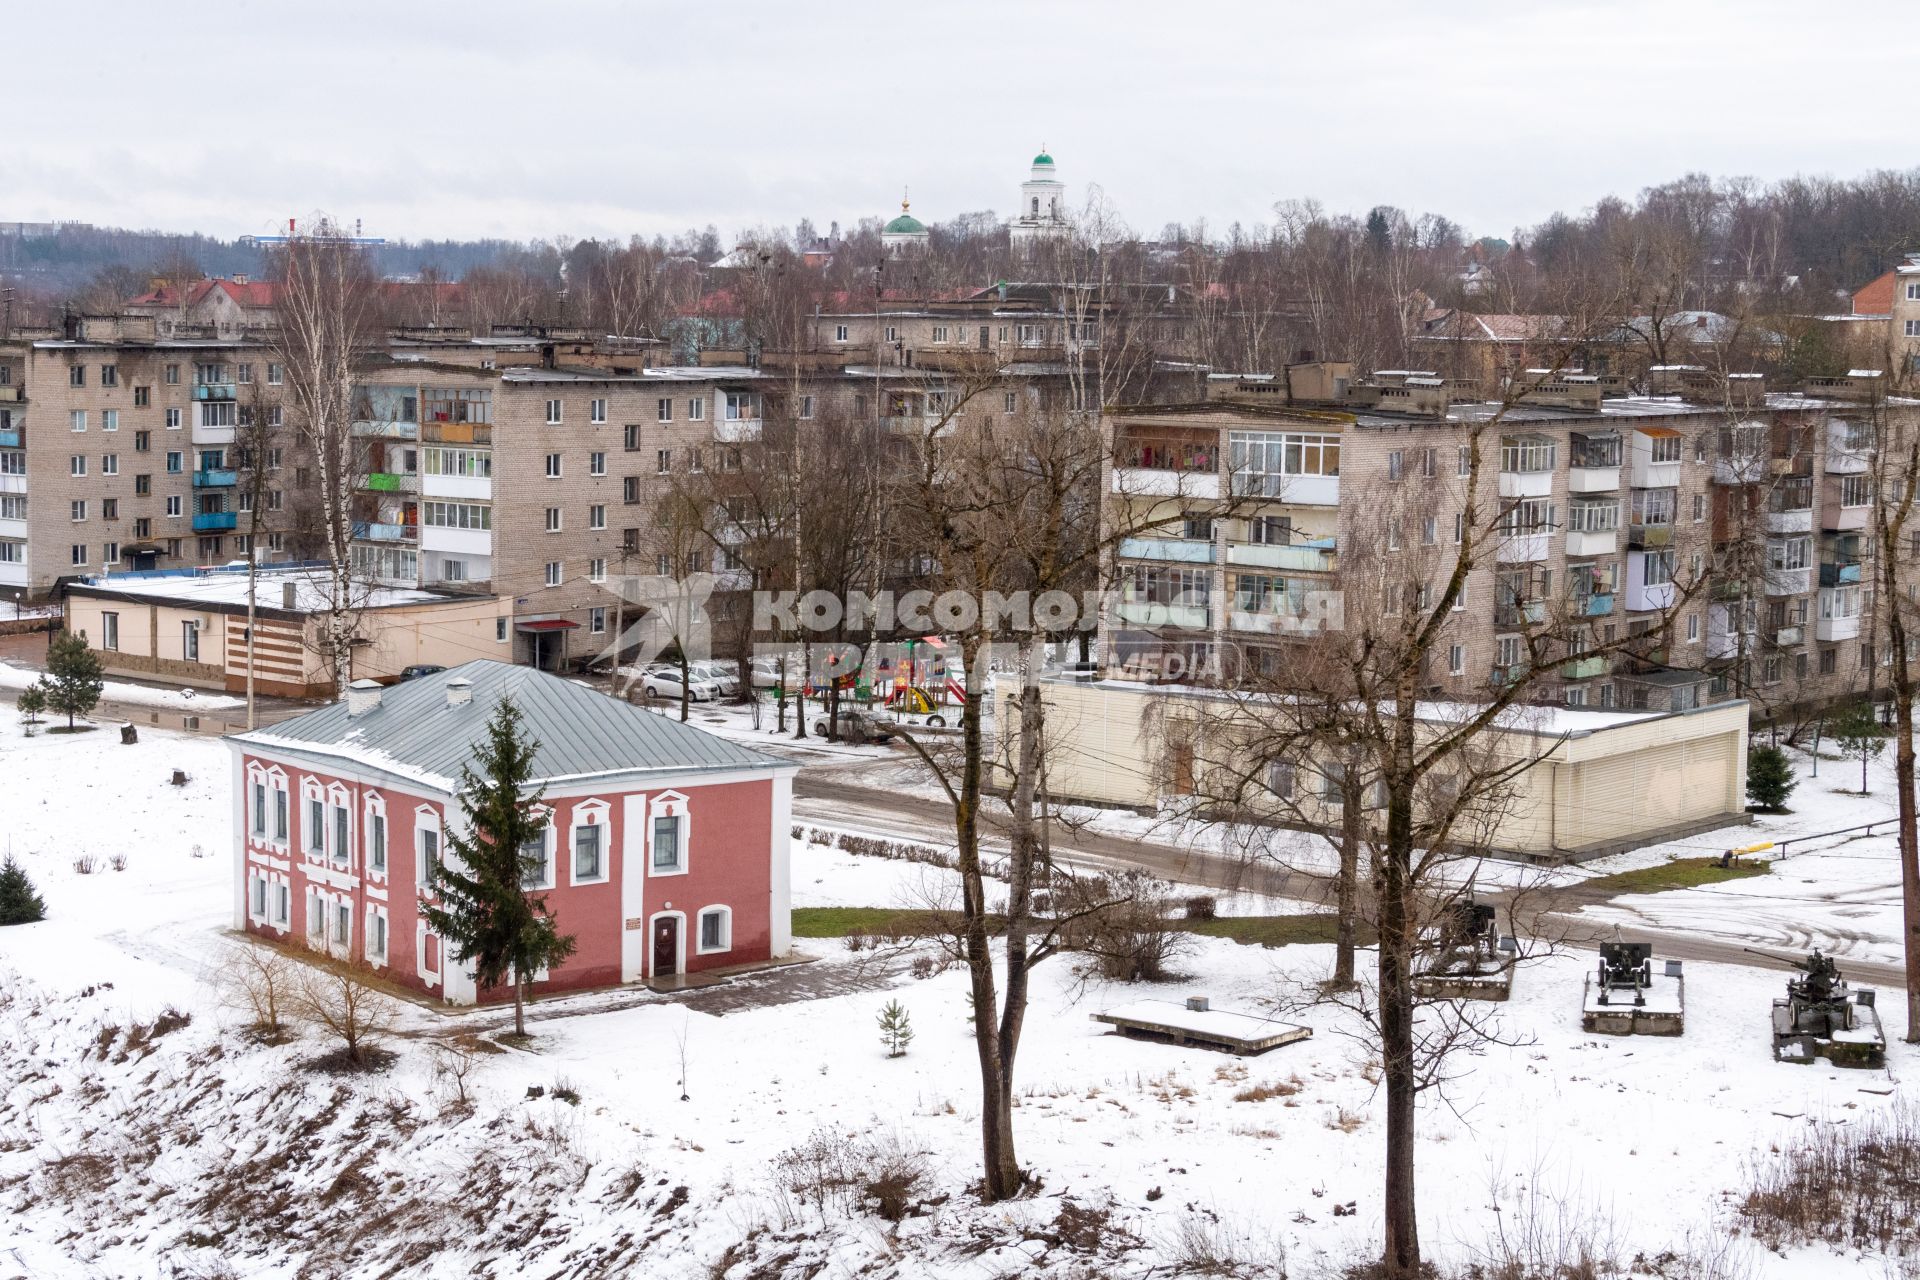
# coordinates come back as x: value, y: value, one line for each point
x: 379, y: 913
x: 428, y: 976
x: 425, y: 818
x: 726, y: 930
x: 601, y: 814
x: 550, y: 879
x: 670, y: 804
x: 340, y: 800
x: 376, y: 807
x: 311, y: 790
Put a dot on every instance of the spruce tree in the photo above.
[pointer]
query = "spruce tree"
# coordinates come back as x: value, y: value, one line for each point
x: 1770, y: 779
x: 72, y: 684
x: 896, y: 1029
x: 30, y: 704
x: 19, y: 904
x: 1859, y: 735
x: 484, y: 911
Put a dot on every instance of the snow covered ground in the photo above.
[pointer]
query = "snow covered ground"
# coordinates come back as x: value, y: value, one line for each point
x: 132, y: 1146
x: 14, y: 678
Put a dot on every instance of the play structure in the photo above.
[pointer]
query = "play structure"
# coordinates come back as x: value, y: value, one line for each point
x: 1820, y: 1017
x: 1464, y: 957
x: 1627, y: 996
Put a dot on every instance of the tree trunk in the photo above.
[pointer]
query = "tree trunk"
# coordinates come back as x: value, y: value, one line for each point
x: 1903, y: 785
x: 800, y: 691
x: 1346, y: 901
x: 519, y: 1018
x: 1401, y: 1257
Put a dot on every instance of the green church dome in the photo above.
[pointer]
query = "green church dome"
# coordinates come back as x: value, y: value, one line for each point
x: 906, y: 224
x: 1043, y: 158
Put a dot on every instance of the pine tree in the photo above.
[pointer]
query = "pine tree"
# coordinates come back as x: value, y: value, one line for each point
x: 1859, y: 734
x: 1770, y: 779
x: 72, y: 684
x: 19, y: 904
x: 896, y: 1029
x: 484, y: 911
x: 31, y: 703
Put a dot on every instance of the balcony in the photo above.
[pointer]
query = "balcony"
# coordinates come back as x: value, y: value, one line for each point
x: 215, y: 478
x: 1526, y: 484
x: 392, y: 482
x: 1843, y: 519
x: 1841, y: 574
x: 1788, y: 637
x: 1800, y: 521
x: 369, y: 531
x: 1175, y: 550
x: 1746, y: 469
x: 1837, y: 628
x: 1789, y: 582
x: 215, y: 521
x: 456, y: 432
x: 1844, y: 461
x: 13, y: 484
x: 1309, y: 557
x: 12, y: 438
x: 1584, y: 669
x: 213, y: 391
x: 387, y: 430
x: 1520, y: 613
x: 737, y: 431
x: 218, y: 436
x: 1650, y: 535
x: 1147, y: 613
x: 1597, y: 605
x: 1586, y: 542
x: 1524, y: 548
x: 1593, y: 479
x: 1303, y: 491
x: 1150, y: 482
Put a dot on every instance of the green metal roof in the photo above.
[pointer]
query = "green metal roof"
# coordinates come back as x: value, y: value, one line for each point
x: 905, y: 224
x: 1043, y: 158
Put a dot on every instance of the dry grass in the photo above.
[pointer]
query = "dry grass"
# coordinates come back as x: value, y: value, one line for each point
x: 1271, y: 1089
x: 1850, y: 1186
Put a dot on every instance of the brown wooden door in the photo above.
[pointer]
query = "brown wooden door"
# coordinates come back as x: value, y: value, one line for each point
x: 666, y: 946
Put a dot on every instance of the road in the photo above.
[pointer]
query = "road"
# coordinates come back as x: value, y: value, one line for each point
x: 829, y: 794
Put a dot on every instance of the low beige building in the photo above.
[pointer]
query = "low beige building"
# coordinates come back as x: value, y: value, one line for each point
x: 1605, y: 781
x: 191, y: 627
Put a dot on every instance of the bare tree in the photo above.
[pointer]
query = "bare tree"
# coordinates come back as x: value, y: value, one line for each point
x: 339, y: 998
x: 327, y: 308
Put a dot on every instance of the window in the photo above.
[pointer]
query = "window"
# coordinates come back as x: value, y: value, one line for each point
x: 536, y: 862
x: 274, y: 375
x: 1457, y: 660
x: 596, y: 464
x: 176, y: 461
x: 77, y: 375
x: 109, y: 419
x: 377, y: 842
x: 109, y: 464
x: 839, y: 333
x: 553, y: 573
x: 174, y: 502
x: 377, y: 935
x: 1856, y: 491
x: 110, y: 639
x: 1665, y: 448
x: 173, y: 419
x: 77, y: 554
x: 172, y: 374
x: 1333, y: 785
x: 596, y: 411
x: 597, y: 569
x: 142, y: 397
x: 664, y: 461
x: 597, y: 516
x: 428, y: 851
x: 667, y: 853
x: 695, y: 463
x: 1280, y: 779
x: 697, y: 410
x: 342, y: 845
x: 553, y: 519
x: 553, y: 413
x: 142, y: 441
x: 1913, y: 329
x: 630, y: 489
x: 79, y: 508
x: 1196, y: 528
x: 190, y: 641
x: 553, y: 466
x: 597, y: 616
x: 806, y: 406
x: 1262, y: 460
x: 77, y: 420
x: 589, y: 861
x: 716, y: 929
x: 665, y: 409
x: 500, y: 630
x: 1429, y: 532
x: 1395, y: 464
x: 456, y: 515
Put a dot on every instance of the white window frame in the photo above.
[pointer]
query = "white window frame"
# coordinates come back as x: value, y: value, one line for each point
x: 340, y: 842
x: 377, y: 915
x: 669, y: 804
x: 594, y: 813
x: 426, y: 820
x: 700, y: 947
x: 313, y: 792
x: 556, y: 410
x: 376, y: 813
x: 597, y: 411
x: 549, y: 862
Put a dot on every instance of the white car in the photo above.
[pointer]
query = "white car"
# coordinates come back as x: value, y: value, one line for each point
x: 719, y: 674
x: 664, y: 682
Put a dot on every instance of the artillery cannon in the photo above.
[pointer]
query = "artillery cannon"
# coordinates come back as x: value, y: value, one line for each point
x: 1821, y: 1017
x: 1625, y: 996
x: 1463, y: 956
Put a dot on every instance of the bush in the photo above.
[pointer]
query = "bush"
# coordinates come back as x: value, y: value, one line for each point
x: 1848, y: 1186
x: 842, y: 1173
x: 338, y: 1000
x: 1202, y: 907
x: 1770, y: 779
x: 259, y: 984
x: 19, y: 904
x: 1123, y: 922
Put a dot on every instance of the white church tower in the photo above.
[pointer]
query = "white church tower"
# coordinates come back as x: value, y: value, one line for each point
x: 1043, y: 206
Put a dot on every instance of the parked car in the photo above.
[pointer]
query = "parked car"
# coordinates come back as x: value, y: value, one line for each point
x: 663, y: 681
x: 766, y: 672
x: 856, y: 726
x: 420, y: 669
x: 723, y: 675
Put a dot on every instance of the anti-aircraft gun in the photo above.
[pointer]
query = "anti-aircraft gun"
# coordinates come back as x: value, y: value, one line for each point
x: 1822, y: 1017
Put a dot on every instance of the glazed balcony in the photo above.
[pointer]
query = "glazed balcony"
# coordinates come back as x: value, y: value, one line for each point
x: 1170, y: 550
x: 214, y: 391
x: 215, y: 478
x: 373, y: 531
x: 1584, y: 669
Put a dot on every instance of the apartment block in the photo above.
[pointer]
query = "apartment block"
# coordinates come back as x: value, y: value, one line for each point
x: 117, y: 450
x: 1741, y: 516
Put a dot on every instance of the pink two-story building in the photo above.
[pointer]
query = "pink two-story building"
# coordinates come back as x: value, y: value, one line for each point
x: 665, y: 853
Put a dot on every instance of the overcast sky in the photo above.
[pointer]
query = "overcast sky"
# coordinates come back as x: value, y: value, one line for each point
x: 597, y: 117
